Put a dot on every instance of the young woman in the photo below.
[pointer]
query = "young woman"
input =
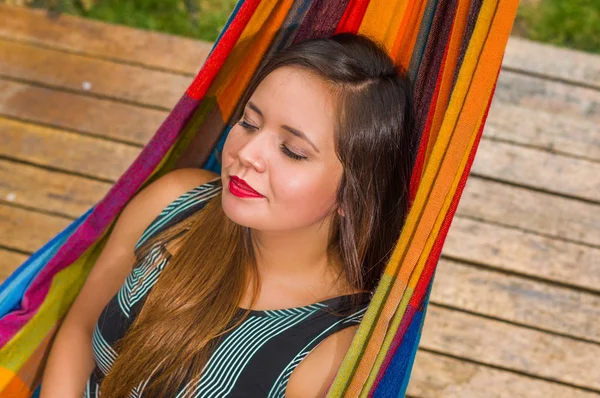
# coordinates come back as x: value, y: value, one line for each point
x: 253, y: 283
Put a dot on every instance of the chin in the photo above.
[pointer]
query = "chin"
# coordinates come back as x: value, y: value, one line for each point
x: 238, y: 211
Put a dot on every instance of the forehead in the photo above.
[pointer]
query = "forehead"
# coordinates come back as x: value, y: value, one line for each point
x: 299, y: 99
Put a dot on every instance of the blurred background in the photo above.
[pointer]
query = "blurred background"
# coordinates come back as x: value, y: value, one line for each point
x: 80, y: 97
x: 566, y: 23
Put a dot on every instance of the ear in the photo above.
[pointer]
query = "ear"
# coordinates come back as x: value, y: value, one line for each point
x: 340, y: 211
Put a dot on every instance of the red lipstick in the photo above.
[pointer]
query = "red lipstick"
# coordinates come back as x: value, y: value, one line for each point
x: 240, y: 188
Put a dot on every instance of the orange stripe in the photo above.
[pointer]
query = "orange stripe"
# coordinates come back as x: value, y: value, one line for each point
x: 248, y: 54
x: 11, y: 386
x: 468, y: 121
x: 31, y: 371
x: 404, y: 46
x: 382, y: 21
x: 458, y: 31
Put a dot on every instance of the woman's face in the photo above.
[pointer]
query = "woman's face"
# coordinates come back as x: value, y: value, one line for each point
x: 283, y: 147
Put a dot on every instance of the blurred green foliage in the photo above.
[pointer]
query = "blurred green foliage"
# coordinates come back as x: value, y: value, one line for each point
x: 566, y: 23
x: 200, y: 19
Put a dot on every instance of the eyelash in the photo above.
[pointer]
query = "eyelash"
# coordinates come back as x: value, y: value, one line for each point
x: 284, y: 149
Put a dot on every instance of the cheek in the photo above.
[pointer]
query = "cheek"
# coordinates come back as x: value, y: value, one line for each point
x: 302, y: 195
x: 233, y: 143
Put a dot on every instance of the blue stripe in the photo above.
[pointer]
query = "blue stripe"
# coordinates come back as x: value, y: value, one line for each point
x: 15, y: 286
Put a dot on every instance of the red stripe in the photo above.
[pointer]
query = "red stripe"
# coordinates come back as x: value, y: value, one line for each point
x: 429, y: 269
x: 439, y: 243
x: 420, y: 160
x: 353, y: 16
x: 219, y: 55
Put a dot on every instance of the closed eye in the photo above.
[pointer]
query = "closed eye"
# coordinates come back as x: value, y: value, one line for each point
x: 286, y: 151
x: 246, y: 125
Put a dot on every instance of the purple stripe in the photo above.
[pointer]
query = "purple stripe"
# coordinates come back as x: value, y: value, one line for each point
x: 430, y: 68
x: 106, y: 210
x: 321, y: 20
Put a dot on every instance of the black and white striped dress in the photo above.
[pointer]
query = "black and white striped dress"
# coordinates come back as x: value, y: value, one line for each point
x: 254, y: 360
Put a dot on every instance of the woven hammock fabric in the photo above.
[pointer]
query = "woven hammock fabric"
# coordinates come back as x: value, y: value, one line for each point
x: 452, y: 50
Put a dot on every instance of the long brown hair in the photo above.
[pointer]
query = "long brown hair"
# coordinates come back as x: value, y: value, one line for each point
x: 211, y: 258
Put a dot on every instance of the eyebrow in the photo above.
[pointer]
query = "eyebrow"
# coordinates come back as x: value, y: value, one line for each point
x: 292, y: 130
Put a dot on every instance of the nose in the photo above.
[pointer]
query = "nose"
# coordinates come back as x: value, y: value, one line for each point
x: 251, y: 153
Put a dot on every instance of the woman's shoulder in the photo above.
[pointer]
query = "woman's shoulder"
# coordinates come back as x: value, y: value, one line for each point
x: 179, y: 181
x: 171, y: 194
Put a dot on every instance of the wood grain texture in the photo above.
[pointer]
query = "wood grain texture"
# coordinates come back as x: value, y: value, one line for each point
x: 504, y: 345
x: 565, y: 134
x: 526, y: 253
x: 49, y: 191
x: 518, y: 300
x: 438, y: 376
x: 46, y: 67
x: 103, y: 40
x: 528, y: 210
x: 27, y: 231
x: 58, y: 149
x: 538, y: 169
x: 9, y: 261
x: 84, y: 114
x: 552, y: 61
x: 537, y: 93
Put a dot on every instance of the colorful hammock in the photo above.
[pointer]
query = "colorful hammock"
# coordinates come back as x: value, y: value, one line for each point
x: 452, y: 50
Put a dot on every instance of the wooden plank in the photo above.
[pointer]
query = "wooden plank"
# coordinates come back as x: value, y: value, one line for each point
x: 556, y: 133
x: 469, y: 240
x: 538, y: 169
x: 507, y: 346
x: 83, y: 36
x: 545, y: 214
x: 62, y: 150
x: 525, y: 253
x: 506, y: 297
x: 27, y: 231
x: 505, y: 248
x: 517, y: 300
x: 496, y: 246
x: 94, y: 116
x: 556, y: 97
x: 438, y: 376
x: 131, y: 83
x: 103, y: 40
x: 552, y: 61
x: 91, y: 75
x: 50, y: 191
x: 9, y: 262
x: 530, y: 161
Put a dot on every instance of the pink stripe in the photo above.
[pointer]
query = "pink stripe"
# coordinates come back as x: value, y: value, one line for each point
x: 217, y: 58
x: 402, y: 328
x: 106, y: 210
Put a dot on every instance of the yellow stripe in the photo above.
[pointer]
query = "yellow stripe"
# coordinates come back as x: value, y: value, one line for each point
x: 11, y: 386
x: 64, y: 288
x: 382, y: 21
x: 456, y: 38
x: 468, y: 125
x: 247, y: 56
x: 432, y: 217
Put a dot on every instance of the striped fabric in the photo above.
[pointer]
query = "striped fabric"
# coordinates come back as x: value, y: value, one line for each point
x: 452, y: 50
x: 255, y: 359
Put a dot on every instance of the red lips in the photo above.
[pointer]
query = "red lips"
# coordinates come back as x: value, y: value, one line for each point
x: 240, y: 188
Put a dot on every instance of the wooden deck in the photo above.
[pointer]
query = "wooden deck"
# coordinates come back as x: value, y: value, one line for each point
x: 515, y: 310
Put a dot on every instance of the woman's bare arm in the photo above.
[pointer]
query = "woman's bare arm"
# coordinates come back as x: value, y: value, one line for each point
x: 313, y: 376
x: 71, y: 361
